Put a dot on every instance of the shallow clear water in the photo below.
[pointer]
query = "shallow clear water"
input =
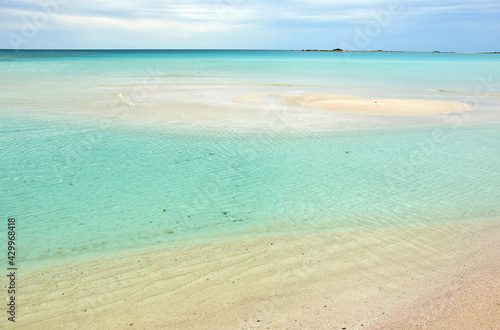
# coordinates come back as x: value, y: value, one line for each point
x: 74, y: 189
x: 84, y: 187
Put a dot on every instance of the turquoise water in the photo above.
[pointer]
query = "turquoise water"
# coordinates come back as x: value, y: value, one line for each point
x: 79, y: 187
x: 379, y: 71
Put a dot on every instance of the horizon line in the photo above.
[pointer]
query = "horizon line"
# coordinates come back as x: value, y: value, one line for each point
x: 248, y: 49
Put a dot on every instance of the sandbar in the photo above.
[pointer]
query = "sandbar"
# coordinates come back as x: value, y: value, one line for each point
x: 374, y: 106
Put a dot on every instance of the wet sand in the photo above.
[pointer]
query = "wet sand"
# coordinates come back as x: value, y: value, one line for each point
x: 469, y: 301
x: 407, y: 277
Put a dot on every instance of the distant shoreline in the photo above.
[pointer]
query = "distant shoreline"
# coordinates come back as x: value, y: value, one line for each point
x: 338, y: 50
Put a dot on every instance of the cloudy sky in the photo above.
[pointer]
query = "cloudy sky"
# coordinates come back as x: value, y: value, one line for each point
x: 424, y: 25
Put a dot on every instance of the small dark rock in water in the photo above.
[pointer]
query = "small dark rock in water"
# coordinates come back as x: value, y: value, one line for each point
x: 164, y: 210
x: 225, y: 212
x: 70, y: 184
x: 347, y: 152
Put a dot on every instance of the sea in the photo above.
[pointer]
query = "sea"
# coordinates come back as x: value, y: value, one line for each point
x: 90, y: 165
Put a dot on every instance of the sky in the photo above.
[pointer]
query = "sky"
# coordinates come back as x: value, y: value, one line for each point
x: 426, y: 25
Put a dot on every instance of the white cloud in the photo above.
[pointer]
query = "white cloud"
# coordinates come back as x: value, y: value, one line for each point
x: 201, y: 21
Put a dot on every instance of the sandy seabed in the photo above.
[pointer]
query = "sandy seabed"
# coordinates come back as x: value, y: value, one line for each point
x: 435, y: 276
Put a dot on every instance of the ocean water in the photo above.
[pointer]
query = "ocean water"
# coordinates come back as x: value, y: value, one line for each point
x: 80, y: 184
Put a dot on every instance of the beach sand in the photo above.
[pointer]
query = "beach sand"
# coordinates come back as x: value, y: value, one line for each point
x: 469, y: 301
x: 438, y: 275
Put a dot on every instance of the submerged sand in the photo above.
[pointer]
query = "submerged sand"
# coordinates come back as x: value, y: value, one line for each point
x: 424, y: 276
